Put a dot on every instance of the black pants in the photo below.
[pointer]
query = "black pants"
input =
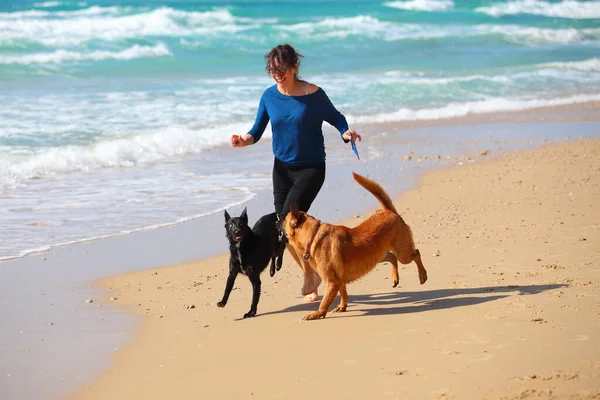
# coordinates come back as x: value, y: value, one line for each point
x: 296, y: 185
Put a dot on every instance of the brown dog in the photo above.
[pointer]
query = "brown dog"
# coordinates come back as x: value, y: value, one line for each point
x: 341, y: 255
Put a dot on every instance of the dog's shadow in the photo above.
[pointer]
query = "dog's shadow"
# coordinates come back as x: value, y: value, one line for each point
x: 410, y: 302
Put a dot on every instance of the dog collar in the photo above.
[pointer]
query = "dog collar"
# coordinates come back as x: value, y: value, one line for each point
x: 306, y: 256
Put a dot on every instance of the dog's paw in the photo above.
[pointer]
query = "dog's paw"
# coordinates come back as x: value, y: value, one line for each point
x: 272, y: 272
x: 395, y: 283
x: 423, y: 277
x: 250, y: 314
x: 315, y: 315
x: 339, y: 309
x: 221, y: 304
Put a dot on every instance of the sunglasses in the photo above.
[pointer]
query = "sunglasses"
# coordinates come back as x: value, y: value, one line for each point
x: 277, y: 71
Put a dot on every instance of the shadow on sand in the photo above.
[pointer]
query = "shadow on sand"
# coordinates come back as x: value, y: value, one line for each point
x: 410, y: 302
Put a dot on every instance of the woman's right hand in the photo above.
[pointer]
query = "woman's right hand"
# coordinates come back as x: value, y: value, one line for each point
x: 241, y: 141
x: 237, y: 141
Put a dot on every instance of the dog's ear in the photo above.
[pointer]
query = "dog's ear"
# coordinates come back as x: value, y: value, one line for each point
x: 295, y: 214
x: 294, y: 210
x: 244, y: 216
x: 227, y: 217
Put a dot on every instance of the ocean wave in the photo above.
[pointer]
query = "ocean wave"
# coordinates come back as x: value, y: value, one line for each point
x: 566, y: 9
x: 374, y: 28
x: 591, y: 65
x: 48, y: 4
x: 117, y: 23
x: 420, y: 80
x: 421, y: 5
x: 125, y: 152
x: 42, y: 14
x: 531, y: 36
x: 572, y: 75
x: 340, y: 27
x: 462, y: 109
x: 64, y: 56
x: 52, y: 3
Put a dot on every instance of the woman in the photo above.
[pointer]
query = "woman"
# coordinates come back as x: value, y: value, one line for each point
x: 296, y: 109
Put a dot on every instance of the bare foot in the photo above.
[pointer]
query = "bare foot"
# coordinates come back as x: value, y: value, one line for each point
x: 311, y: 297
x: 312, y: 280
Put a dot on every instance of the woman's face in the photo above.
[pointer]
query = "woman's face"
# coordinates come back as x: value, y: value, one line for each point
x: 282, y: 75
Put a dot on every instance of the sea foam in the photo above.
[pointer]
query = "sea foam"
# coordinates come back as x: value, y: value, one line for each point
x: 565, y: 9
x: 113, y: 24
x: 422, y: 5
x: 139, y: 149
x: 65, y: 56
x: 365, y: 26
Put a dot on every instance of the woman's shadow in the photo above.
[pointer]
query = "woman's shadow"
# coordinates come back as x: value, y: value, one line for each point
x: 410, y: 302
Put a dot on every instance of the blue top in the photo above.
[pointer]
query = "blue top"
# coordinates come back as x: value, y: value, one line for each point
x: 296, y: 123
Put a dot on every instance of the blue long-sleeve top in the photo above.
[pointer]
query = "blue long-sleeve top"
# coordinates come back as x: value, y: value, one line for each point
x: 296, y: 122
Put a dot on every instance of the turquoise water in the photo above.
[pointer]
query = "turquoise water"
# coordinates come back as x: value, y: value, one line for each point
x: 115, y: 115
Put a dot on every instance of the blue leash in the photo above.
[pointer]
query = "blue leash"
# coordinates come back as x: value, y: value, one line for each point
x: 354, y: 148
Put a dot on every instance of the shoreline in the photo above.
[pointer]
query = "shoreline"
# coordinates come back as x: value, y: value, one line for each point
x: 171, y: 246
x: 584, y: 111
x: 506, y: 290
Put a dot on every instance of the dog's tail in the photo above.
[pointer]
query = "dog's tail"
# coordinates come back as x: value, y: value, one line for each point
x: 376, y: 190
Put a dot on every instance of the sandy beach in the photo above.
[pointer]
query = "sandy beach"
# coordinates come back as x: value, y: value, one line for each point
x: 510, y: 311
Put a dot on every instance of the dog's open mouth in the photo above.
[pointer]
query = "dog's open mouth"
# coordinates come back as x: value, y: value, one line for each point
x: 280, y: 232
x: 239, y: 237
x: 281, y: 236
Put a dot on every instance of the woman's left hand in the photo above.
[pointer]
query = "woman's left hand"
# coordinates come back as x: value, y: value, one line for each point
x: 351, y: 135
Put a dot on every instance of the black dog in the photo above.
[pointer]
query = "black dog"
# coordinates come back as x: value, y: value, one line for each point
x: 250, y: 252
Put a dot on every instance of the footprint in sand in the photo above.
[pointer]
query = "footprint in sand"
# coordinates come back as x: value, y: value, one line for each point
x: 452, y: 352
x: 581, y: 338
x: 442, y: 393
